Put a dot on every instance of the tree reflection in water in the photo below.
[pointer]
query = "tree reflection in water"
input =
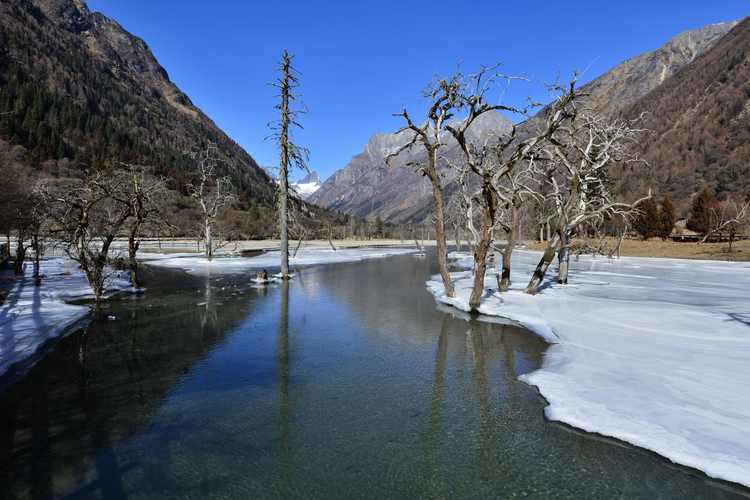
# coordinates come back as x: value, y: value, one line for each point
x: 100, y: 385
x: 350, y: 383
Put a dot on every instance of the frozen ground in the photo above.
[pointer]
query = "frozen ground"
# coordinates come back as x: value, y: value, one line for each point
x: 655, y: 352
x: 197, y: 264
x: 31, y: 315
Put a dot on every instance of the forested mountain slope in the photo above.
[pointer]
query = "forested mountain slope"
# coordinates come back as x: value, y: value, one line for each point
x: 698, y: 123
x: 78, y: 91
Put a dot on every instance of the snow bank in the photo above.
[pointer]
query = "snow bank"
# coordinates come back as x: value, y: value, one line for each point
x: 31, y: 315
x: 655, y: 352
x: 197, y: 264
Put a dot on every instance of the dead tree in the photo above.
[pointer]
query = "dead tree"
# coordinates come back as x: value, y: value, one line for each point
x: 146, y: 195
x: 728, y: 217
x: 290, y: 154
x: 88, y: 215
x: 456, y: 217
x: 444, y: 100
x: 622, y: 230
x: 21, y: 215
x: 330, y: 237
x: 39, y: 230
x: 296, y: 228
x: 578, y: 163
x: 455, y: 95
x: 517, y: 189
x: 493, y: 164
x: 213, y: 194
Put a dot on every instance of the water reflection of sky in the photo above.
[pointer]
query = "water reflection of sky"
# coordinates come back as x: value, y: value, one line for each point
x: 346, y: 382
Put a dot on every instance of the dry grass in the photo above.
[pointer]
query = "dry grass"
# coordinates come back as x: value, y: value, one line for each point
x: 656, y: 247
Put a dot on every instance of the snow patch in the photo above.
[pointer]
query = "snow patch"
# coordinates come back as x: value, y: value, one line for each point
x: 305, y: 189
x: 31, y: 315
x: 195, y: 264
x: 659, y: 358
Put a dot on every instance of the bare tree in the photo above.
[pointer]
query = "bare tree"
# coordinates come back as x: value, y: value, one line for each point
x: 146, y: 196
x: 88, y: 215
x: 290, y: 154
x: 213, y: 194
x: 455, y: 95
x: 578, y: 162
x: 39, y: 230
x: 621, y: 225
x: 729, y: 217
x: 296, y: 228
x: 495, y: 165
x: 21, y: 216
x: 456, y: 217
x: 517, y: 188
x: 330, y: 238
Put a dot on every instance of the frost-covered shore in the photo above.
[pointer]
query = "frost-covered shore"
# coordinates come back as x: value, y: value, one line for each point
x: 31, y: 315
x: 655, y: 352
x: 197, y: 264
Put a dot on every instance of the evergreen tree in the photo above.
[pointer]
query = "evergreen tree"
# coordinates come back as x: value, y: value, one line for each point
x: 700, y: 213
x: 667, y: 218
x: 647, y: 222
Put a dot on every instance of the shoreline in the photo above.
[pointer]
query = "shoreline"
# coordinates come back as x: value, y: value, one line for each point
x: 665, y: 249
x: 623, y: 345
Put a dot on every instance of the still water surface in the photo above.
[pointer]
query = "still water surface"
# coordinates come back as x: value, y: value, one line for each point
x: 345, y: 383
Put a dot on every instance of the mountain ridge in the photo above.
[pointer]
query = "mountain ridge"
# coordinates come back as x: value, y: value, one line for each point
x: 609, y: 93
x: 368, y: 186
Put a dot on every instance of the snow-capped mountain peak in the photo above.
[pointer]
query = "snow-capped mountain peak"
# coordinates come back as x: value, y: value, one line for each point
x: 307, y: 185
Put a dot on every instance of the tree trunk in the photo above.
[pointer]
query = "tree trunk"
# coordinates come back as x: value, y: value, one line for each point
x: 94, y: 270
x: 616, y: 251
x: 20, y: 254
x: 284, y: 167
x: 480, y: 266
x: 299, y: 244
x: 209, y: 241
x: 544, y: 263
x: 504, y: 283
x: 330, y: 238
x: 563, y: 258
x: 483, y: 246
x: 133, y: 245
x: 442, y: 246
x: 36, y: 244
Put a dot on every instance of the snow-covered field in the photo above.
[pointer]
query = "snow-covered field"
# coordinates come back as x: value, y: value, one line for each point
x: 655, y: 352
x: 32, y: 315
x: 197, y: 264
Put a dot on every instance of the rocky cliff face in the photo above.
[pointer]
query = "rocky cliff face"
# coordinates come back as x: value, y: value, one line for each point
x: 83, y: 91
x: 638, y: 76
x: 367, y: 188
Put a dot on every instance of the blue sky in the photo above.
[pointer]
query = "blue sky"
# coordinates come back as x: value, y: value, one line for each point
x: 362, y: 61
